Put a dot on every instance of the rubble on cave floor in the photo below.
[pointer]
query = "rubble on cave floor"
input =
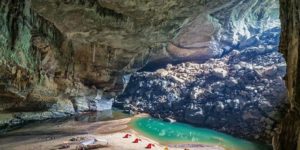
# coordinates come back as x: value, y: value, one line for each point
x: 244, y: 98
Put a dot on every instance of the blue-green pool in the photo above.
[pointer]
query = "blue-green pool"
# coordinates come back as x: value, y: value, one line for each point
x: 167, y: 133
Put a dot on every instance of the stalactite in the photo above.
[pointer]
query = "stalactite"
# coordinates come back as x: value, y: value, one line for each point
x: 47, y: 29
x: 94, y: 52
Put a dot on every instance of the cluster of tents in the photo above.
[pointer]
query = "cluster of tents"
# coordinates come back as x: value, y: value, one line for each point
x: 137, y: 140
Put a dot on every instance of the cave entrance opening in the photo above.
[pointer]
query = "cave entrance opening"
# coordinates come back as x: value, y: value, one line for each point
x: 239, y: 91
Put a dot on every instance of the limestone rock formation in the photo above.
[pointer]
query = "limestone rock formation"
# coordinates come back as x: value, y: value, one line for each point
x: 57, y: 54
x: 65, y: 51
x: 242, y: 98
x: 288, y: 132
x: 238, y: 43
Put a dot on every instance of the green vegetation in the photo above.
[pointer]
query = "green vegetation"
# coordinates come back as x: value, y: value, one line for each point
x: 21, y: 54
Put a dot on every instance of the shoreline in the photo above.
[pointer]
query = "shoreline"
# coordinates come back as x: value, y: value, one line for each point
x: 177, y: 144
x: 112, y: 131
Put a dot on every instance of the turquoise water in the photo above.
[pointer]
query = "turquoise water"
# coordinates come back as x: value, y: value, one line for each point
x: 167, y: 133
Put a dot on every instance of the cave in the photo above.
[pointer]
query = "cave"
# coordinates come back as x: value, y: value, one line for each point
x: 224, y: 69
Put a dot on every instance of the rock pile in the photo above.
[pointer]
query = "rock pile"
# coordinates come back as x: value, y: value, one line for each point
x: 230, y: 94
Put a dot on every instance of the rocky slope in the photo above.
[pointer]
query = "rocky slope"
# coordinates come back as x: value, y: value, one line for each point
x: 240, y: 91
x: 240, y: 97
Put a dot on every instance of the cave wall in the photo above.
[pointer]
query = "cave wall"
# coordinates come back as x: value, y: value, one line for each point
x: 51, y: 61
x: 288, y: 136
x: 53, y: 65
x: 44, y: 47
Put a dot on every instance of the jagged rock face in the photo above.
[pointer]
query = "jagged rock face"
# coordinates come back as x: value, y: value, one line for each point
x: 55, y: 52
x: 288, y: 135
x: 61, y: 52
x: 110, y: 38
x: 240, y: 92
x: 236, y: 96
x: 150, y: 25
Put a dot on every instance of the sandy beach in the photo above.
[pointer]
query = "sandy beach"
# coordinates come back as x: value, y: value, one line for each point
x: 110, y: 131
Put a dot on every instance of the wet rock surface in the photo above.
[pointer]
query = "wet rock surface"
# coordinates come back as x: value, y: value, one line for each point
x: 13, y: 119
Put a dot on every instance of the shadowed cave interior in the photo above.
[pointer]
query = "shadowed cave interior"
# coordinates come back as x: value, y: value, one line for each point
x: 229, y: 66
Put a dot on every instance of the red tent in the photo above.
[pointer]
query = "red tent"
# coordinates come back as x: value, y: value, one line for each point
x: 149, y: 146
x: 136, y: 140
x: 126, y: 136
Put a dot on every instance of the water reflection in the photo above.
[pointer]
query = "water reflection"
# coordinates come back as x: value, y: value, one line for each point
x: 68, y: 125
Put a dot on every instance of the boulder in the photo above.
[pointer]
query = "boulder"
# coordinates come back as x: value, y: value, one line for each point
x: 176, y: 79
x: 81, y: 104
x: 162, y: 72
x: 219, y: 72
x: 195, y: 93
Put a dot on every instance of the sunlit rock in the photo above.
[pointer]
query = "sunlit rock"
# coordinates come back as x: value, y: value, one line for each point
x: 219, y: 72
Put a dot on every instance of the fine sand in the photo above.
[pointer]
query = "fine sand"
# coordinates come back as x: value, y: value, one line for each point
x: 110, y: 131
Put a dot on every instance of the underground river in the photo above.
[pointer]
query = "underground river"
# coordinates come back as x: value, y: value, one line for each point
x: 115, y: 124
